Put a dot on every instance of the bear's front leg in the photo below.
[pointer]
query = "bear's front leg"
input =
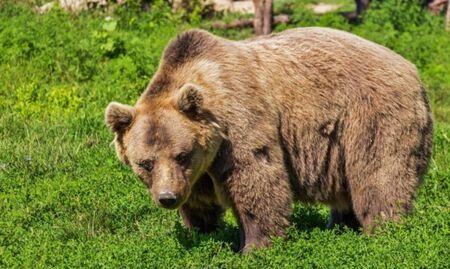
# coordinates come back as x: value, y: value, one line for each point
x: 202, y: 211
x: 262, y: 205
x: 259, y: 192
x: 204, y: 219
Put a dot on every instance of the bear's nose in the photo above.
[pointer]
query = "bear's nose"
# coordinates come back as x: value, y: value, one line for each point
x: 167, y: 199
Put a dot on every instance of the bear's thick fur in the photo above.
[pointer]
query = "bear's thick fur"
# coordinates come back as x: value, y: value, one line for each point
x: 310, y: 114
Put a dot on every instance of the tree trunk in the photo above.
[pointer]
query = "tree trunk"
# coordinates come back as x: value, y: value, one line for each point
x: 258, y: 20
x: 268, y: 11
x: 447, y: 17
x: 263, y: 16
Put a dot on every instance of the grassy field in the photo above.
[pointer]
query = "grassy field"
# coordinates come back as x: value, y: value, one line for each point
x: 66, y: 201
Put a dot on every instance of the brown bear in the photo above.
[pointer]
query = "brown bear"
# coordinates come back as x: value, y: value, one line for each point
x: 309, y: 114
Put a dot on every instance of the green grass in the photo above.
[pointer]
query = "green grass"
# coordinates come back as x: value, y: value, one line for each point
x: 66, y: 201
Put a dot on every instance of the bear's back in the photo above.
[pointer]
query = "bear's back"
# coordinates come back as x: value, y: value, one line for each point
x: 343, y: 45
x: 343, y: 68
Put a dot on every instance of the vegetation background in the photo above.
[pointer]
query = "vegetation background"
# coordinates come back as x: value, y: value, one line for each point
x: 65, y: 199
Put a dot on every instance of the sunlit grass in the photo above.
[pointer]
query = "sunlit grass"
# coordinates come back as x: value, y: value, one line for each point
x: 66, y: 201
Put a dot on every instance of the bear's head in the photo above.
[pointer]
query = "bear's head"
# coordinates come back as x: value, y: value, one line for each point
x: 169, y: 141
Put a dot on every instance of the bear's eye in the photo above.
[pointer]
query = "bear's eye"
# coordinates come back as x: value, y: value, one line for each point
x: 183, y: 159
x: 146, y: 164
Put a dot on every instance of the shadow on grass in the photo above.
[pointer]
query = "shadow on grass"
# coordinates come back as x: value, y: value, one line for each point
x: 225, y: 233
x: 306, y: 218
x: 303, y: 219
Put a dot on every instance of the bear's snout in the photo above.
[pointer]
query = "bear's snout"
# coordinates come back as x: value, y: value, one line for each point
x: 168, y: 199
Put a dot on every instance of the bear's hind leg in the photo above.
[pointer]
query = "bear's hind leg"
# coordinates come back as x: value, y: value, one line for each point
x: 386, y: 157
x: 374, y: 206
x: 384, y: 194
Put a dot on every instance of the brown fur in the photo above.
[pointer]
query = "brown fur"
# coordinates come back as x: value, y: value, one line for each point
x: 310, y: 114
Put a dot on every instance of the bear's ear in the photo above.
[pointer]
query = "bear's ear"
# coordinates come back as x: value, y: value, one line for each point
x: 190, y: 99
x: 118, y: 116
